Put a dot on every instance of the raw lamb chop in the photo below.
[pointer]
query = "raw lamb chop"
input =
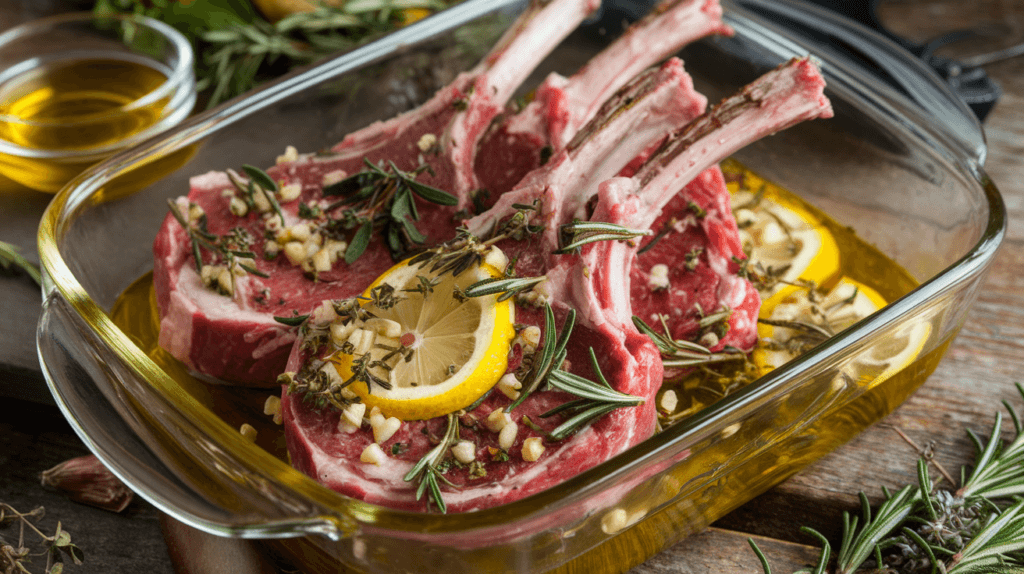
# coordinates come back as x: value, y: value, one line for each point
x: 514, y: 146
x: 236, y: 338
x: 700, y: 245
x: 594, y: 282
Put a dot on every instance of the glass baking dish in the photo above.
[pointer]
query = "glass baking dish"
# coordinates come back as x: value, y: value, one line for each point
x: 900, y: 163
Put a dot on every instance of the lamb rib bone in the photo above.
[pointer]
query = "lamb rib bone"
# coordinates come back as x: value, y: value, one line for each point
x: 635, y: 117
x: 639, y: 115
x: 460, y: 113
x: 237, y: 340
x: 676, y: 176
x: 562, y: 106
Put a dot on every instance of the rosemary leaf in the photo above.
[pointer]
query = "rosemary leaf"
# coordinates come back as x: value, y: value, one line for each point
x: 360, y: 241
x: 260, y: 177
x: 292, y: 321
x: 10, y: 258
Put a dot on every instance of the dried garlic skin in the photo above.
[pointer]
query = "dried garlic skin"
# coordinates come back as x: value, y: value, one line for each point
x: 84, y: 479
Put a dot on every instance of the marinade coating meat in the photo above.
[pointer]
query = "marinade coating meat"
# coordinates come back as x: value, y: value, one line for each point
x: 790, y: 94
x: 593, y: 282
x: 515, y: 144
x: 236, y: 339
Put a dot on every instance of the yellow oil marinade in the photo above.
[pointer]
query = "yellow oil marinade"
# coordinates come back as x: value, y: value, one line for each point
x: 721, y: 471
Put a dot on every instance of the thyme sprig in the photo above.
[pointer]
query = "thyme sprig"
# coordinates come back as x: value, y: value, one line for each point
x: 679, y: 353
x: 14, y: 556
x: 232, y: 248
x: 381, y: 197
x: 977, y: 529
x: 10, y: 258
x: 573, y: 236
x: 425, y: 472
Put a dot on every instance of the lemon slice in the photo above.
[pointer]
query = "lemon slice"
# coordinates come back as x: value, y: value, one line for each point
x: 784, y: 235
x: 430, y: 350
x: 848, y: 302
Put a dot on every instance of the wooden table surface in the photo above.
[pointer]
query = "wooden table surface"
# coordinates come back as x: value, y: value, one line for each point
x: 964, y: 392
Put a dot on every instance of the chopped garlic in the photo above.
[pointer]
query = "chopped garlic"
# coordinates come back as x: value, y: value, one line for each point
x: 496, y: 258
x: 362, y: 341
x: 509, y: 385
x: 373, y: 454
x: 248, y: 431
x: 224, y: 281
x: 659, y: 277
x: 333, y: 177
x: 426, y: 142
x: 464, y: 451
x: 669, y: 401
x: 340, y: 332
x: 533, y: 447
x: 614, y: 521
x: 384, y: 327
x: 238, y: 207
x: 322, y: 261
x: 290, y: 154
x: 300, y: 231
x: 507, y: 436
x: 323, y: 314
x: 259, y: 199
x: 531, y: 336
x: 290, y: 192
x: 195, y: 212
x: 745, y: 217
x: 272, y: 406
x: 497, y: 420
x: 384, y: 428
x: 353, y: 414
x: 335, y: 248
x: 295, y: 252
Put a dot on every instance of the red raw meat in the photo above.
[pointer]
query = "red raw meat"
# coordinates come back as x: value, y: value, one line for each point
x: 237, y: 339
x: 593, y: 283
x: 788, y: 95
x: 560, y: 107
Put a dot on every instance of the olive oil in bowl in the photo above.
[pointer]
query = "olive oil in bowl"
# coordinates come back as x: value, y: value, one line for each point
x: 75, y: 89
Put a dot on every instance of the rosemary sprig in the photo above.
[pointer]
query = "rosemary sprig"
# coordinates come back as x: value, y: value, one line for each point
x: 507, y: 286
x: 238, y: 48
x: 684, y: 354
x: 425, y: 472
x: 381, y: 197
x: 10, y: 258
x: 596, y: 399
x: 573, y: 236
x: 550, y: 355
x: 970, y: 531
x: 999, y: 470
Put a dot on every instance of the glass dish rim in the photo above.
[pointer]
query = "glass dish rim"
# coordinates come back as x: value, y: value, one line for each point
x: 179, y: 85
x: 60, y: 279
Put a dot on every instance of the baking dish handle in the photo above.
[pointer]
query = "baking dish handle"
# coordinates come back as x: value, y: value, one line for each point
x: 878, y: 61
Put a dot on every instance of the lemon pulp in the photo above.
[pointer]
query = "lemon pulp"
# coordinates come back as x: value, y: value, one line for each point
x: 428, y: 351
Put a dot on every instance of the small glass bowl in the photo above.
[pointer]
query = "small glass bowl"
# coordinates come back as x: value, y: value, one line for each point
x: 76, y: 88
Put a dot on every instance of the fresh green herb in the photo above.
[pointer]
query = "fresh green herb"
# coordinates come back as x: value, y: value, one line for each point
x: 15, y: 555
x: 10, y: 259
x: 506, y: 286
x: 573, y: 236
x: 426, y: 472
x: 549, y: 356
x: 683, y: 354
x: 382, y: 198
x: 292, y: 321
x: 237, y: 48
x: 232, y: 247
x: 596, y: 399
x: 976, y: 529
